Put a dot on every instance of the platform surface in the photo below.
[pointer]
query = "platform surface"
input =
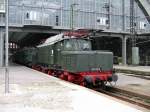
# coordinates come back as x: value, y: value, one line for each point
x: 32, y: 91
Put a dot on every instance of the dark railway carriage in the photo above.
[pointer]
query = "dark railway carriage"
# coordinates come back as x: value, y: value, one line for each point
x: 25, y: 56
x: 70, y: 57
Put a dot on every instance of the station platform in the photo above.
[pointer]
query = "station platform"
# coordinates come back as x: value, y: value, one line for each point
x: 33, y: 91
x: 138, y: 70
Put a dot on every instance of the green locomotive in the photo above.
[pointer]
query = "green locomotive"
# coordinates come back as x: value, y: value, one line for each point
x: 70, y: 57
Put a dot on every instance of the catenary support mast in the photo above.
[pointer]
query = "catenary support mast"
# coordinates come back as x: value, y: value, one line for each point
x: 6, y: 51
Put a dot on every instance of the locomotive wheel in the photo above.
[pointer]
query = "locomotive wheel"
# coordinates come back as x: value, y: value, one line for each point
x: 88, y: 82
x: 88, y: 85
x: 49, y: 72
x: 62, y: 77
x: 103, y: 85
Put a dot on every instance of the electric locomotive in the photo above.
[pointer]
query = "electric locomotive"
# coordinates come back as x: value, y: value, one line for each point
x: 70, y: 57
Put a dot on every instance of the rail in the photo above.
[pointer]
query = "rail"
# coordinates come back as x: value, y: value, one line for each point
x: 131, y: 97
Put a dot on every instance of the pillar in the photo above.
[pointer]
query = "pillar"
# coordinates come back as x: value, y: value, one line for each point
x: 135, y: 56
x: 1, y: 48
x: 123, y: 16
x: 124, y: 50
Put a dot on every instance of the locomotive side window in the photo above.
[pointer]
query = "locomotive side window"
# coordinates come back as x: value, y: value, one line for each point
x: 59, y: 46
x: 68, y: 45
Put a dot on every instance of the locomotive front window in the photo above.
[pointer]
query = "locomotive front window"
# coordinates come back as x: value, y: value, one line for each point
x: 84, y: 44
x: 77, y: 44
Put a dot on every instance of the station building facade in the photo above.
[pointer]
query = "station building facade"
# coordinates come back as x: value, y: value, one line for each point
x: 87, y: 14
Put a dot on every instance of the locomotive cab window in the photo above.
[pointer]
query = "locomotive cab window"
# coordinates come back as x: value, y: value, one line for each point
x: 77, y: 44
x: 68, y: 45
x: 84, y: 44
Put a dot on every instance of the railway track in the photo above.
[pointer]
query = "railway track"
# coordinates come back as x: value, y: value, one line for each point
x: 131, y: 97
x: 147, y: 77
x: 140, y: 74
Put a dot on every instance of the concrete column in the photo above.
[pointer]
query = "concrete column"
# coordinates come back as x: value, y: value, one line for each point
x: 1, y: 48
x: 123, y: 16
x: 110, y: 12
x: 61, y: 14
x: 135, y: 56
x: 124, y: 50
x: 124, y: 39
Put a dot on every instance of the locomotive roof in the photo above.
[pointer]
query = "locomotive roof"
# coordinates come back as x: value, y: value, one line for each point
x: 54, y: 39
x: 63, y: 36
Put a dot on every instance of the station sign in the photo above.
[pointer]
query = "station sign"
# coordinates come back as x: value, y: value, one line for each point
x: 2, y: 6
